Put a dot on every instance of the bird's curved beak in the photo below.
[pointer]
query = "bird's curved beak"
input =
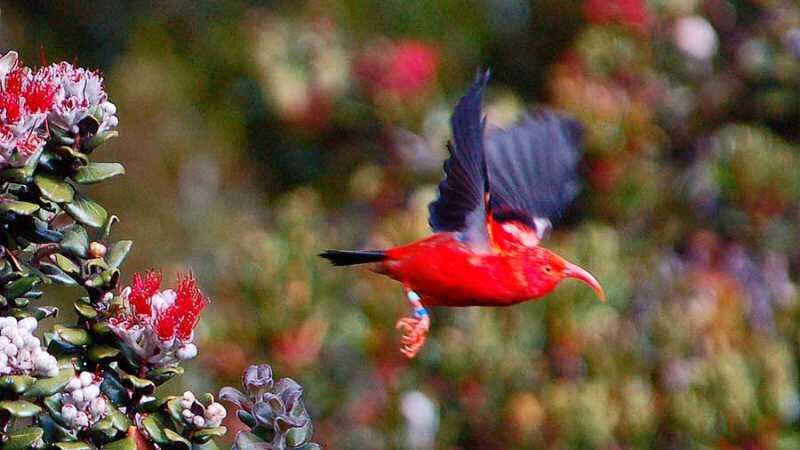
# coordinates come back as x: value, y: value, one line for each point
x: 573, y: 271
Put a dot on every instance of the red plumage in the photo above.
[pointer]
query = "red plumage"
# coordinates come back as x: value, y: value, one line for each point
x: 495, y: 204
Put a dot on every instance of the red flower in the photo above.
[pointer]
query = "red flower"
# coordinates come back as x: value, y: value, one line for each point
x: 632, y: 13
x: 170, y: 313
x: 143, y: 287
x: 403, y: 68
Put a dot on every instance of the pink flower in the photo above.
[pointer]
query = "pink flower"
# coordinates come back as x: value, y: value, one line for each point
x: 403, y: 69
x: 82, y: 94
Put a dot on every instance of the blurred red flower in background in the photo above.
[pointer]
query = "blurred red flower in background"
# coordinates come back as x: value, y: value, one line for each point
x: 402, y: 69
x: 632, y: 13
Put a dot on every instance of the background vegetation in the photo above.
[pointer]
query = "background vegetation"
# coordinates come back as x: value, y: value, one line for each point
x: 256, y: 134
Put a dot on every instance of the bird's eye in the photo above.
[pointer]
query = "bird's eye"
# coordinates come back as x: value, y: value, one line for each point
x: 548, y: 269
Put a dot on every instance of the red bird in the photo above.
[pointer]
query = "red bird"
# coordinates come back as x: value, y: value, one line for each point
x: 495, y: 204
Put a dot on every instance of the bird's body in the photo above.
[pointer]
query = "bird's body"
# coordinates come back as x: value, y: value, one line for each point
x: 445, y: 271
x: 495, y: 204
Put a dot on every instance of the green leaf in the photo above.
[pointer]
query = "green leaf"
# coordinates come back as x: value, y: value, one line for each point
x: 97, y: 172
x: 85, y: 310
x: 164, y: 374
x: 76, y: 241
x: 21, y: 175
x: 87, y: 212
x: 16, y: 383
x: 118, y: 252
x: 155, y: 426
x: 100, y: 352
x: 249, y: 441
x: 21, y: 286
x: 176, y: 439
x: 210, y: 445
x: 53, y: 432
x: 101, y: 138
x: 310, y: 446
x: 113, y: 388
x: 49, y: 386
x: 53, y: 189
x: 122, y: 444
x: 207, y: 433
x: 72, y: 446
x: 137, y: 384
x: 174, y: 408
x: 54, y: 273
x: 24, y: 439
x: 104, y: 430
x: 118, y: 420
x: 18, y: 207
x: 66, y: 264
x: 72, y: 335
x: 298, y: 436
x: 20, y: 408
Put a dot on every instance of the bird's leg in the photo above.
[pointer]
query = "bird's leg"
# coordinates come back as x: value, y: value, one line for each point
x: 414, y: 330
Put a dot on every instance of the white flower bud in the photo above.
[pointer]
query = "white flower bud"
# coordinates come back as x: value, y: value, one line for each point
x: 188, y: 395
x: 4, y: 340
x: 18, y: 341
x: 187, y: 413
x: 77, y: 396
x: 3, y: 360
x: 186, y: 351
x: 91, y: 392
x: 198, y: 421
x: 86, y: 378
x: 74, y: 384
x: 45, y: 364
x: 28, y: 324
x: 109, y: 108
x: 81, y: 419
x: 98, y: 407
x: 32, y: 342
x: 10, y: 350
x: 68, y: 412
x: 215, y: 410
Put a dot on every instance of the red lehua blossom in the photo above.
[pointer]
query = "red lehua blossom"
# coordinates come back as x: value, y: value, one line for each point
x: 189, y: 303
x: 632, y: 13
x: 142, y: 289
x: 40, y: 96
x: 403, y: 69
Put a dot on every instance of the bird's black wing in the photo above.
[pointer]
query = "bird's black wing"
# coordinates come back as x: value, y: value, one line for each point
x: 533, y: 169
x: 461, y: 206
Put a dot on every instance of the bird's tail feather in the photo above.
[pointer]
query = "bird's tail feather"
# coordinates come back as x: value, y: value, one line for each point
x: 352, y: 257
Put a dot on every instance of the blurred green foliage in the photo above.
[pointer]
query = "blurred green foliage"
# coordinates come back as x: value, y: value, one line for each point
x: 257, y: 135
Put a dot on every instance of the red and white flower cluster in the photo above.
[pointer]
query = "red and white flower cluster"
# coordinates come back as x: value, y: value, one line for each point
x: 81, y: 94
x: 159, y: 325
x: 60, y: 93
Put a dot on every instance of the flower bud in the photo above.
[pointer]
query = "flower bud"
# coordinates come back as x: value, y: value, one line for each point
x: 91, y: 392
x: 68, y: 412
x: 74, y: 384
x: 187, y: 351
x: 198, y: 421
x: 77, y: 396
x: 29, y: 324
x: 97, y: 250
x: 98, y: 407
x: 86, y: 378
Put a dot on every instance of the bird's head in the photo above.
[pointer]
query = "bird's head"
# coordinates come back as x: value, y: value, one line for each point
x: 546, y: 269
